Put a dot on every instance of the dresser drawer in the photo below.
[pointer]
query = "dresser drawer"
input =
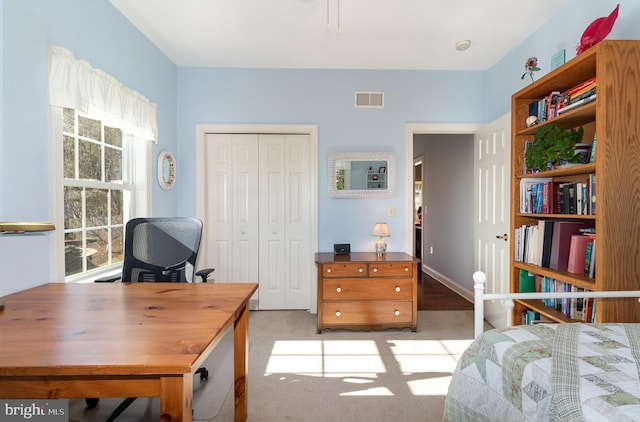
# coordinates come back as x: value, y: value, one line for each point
x: 367, y: 289
x: 386, y: 269
x: 374, y: 313
x: 346, y: 269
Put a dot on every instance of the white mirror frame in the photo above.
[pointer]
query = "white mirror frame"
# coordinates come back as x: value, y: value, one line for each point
x: 362, y: 156
x: 166, y: 170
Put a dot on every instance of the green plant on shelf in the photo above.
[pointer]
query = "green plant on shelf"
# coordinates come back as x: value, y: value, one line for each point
x: 552, y: 147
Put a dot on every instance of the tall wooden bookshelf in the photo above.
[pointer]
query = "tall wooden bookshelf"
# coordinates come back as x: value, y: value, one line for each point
x: 615, y: 115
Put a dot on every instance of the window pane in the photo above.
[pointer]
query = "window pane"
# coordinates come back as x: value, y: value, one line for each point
x: 117, y: 244
x: 113, y: 164
x: 69, y: 124
x: 72, y: 207
x: 113, y: 136
x: 69, y: 157
x: 97, y: 207
x: 72, y: 253
x: 90, y: 128
x: 116, y: 207
x: 97, y: 248
x: 89, y: 160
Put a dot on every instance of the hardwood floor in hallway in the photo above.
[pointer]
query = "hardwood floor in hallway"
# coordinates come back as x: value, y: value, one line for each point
x: 435, y: 296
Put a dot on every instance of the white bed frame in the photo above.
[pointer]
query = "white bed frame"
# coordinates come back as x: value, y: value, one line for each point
x: 480, y: 279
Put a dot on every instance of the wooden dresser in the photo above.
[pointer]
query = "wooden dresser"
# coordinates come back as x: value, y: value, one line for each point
x: 363, y: 291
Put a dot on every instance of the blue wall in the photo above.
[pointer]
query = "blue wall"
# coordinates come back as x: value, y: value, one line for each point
x: 326, y: 98
x: 95, y: 31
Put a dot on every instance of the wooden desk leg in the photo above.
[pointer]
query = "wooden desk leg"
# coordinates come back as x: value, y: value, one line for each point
x: 241, y: 362
x: 176, y: 395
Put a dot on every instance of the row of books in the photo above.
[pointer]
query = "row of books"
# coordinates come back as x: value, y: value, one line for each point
x: 546, y: 196
x: 558, y: 102
x: 582, y: 309
x: 559, y: 245
x: 530, y: 317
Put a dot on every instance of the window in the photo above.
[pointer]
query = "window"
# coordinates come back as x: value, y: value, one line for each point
x: 97, y: 193
x: 101, y: 140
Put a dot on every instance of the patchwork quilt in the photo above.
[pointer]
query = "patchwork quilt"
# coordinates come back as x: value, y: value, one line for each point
x: 549, y: 372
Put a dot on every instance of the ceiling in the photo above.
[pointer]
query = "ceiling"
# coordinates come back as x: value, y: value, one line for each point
x: 371, y: 34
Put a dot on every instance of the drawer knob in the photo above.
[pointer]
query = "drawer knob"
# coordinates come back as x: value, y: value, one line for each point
x: 360, y: 270
x: 396, y: 312
x: 398, y: 289
x: 375, y: 270
x: 338, y: 313
x: 328, y: 270
x: 338, y: 289
x: 406, y: 269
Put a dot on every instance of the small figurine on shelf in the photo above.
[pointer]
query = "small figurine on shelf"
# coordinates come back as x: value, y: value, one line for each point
x: 531, y: 66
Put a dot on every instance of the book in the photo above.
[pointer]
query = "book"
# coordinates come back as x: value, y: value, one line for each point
x: 582, y: 85
x: 577, y: 253
x: 547, y: 239
x: 577, y: 104
x: 561, y: 242
x: 526, y: 282
x: 592, y: 194
x: 587, y: 258
x: 592, y: 153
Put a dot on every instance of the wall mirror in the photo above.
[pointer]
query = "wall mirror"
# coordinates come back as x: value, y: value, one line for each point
x: 166, y: 170
x: 361, y: 175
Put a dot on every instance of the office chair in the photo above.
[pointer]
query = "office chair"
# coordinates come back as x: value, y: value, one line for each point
x: 161, y: 249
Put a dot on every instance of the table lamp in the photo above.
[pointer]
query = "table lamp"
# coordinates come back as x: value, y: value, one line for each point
x: 381, y: 230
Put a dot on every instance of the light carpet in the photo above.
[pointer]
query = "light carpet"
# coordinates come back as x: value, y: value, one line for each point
x: 296, y: 374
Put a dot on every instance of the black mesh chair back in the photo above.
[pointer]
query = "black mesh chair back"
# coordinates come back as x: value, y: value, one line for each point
x: 161, y: 249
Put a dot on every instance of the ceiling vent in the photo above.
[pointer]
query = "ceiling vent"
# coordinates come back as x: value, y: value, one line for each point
x: 369, y: 99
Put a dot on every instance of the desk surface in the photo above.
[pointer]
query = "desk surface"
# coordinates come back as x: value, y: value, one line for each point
x: 114, y: 330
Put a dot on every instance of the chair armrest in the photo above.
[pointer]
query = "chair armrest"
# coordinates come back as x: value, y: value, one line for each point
x: 205, y: 273
x: 108, y: 279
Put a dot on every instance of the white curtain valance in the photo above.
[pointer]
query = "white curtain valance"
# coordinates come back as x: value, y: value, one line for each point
x: 75, y: 84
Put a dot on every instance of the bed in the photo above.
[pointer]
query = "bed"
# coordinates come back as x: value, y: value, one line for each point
x: 547, y: 372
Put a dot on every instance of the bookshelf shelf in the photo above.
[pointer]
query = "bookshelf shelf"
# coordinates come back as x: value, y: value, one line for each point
x: 615, y: 118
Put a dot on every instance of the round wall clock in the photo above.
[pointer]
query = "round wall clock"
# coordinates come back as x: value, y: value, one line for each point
x: 166, y: 170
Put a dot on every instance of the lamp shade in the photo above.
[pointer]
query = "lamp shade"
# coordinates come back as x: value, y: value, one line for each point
x: 381, y: 229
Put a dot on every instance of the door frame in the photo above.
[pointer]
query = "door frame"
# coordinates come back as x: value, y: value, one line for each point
x: 200, y: 187
x: 412, y: 129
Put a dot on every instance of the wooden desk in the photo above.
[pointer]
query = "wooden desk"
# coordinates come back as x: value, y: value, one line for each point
x: 121, y: 340
x: 363, y: 291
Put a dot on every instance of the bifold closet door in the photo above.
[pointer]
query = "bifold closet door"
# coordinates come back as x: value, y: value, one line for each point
x: 258, y: 225
x: 231, y: 226
x: 285, y: 223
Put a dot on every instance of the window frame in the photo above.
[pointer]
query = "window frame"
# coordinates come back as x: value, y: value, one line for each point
x: 138, y: 161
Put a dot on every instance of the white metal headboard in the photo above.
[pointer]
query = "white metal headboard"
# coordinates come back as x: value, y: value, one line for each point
x: 480, y: 279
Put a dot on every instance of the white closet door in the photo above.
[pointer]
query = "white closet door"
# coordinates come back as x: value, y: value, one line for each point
x: 285, y: 225
x: 232, y: 201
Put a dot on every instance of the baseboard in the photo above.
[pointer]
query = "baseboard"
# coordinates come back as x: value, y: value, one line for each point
x: 451, y: 284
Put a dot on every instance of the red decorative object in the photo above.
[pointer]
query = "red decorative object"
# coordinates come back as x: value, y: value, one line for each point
x: 597, y: 31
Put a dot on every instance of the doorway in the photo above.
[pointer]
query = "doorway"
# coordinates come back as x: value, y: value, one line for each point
x: 417, y: 205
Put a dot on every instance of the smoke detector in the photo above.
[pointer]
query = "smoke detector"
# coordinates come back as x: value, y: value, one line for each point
x: 463, y: 45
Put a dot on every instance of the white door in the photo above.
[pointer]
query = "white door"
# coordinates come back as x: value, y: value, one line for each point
x: 257, y: 214
x: 285, y: 222
x: 493, y: 157
x: 231, y: 228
